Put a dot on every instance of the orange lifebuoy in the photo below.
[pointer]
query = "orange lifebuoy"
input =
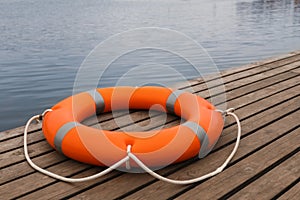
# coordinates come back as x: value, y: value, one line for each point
x: 195, y: 136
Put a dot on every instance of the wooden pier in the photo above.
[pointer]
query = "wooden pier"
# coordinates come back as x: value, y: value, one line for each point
x: 266, y: 96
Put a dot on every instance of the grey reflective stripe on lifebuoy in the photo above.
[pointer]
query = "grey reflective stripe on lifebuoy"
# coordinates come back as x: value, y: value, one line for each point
x: 99, y: 101
x: 172, y: 99
x: 61, y: 133
x: 202, y: 136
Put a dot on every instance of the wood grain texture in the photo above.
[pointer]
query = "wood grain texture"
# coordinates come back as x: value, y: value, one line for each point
x: 273, y: 182
x: 293, y: 193
x: 245, y: 169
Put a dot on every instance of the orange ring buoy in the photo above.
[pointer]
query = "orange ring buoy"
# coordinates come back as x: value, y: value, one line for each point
x: 196, y: 136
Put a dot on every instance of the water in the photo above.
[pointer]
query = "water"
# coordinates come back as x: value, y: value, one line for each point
x: 43, y: 43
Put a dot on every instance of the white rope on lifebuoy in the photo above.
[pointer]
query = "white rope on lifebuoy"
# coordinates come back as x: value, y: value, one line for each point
x: 217, y: 171
x: 56, y: 176
x: 129, y: 156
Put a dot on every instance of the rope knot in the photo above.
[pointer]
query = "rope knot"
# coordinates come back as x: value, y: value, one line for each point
x: 225, y: 112
x: 128, y: 161
x: 229, y: 110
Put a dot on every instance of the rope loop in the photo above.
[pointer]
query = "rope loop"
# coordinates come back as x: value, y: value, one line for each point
x: 41, y: 116
x: 130, y: 155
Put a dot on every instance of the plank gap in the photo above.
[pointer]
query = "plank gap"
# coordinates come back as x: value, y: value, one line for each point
x: 249, y: 92
x: 244, y: 70
x: 27, y: 174
x: 286, y: 189
x: 265, y: 109
x: 260, y: 174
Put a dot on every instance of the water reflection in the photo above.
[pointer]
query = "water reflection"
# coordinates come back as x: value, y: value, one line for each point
x: 269, y: 9
x: 296, y: 18
x: 266, y: 9
x: 262, y: 23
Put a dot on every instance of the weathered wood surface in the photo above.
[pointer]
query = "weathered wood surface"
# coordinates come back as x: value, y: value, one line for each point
x: 266, y: 96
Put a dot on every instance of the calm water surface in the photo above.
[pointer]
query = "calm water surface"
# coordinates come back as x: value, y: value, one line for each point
x: 43, y: 43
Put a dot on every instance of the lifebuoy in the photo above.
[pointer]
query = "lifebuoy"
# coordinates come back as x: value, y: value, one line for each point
x: 195, y: 136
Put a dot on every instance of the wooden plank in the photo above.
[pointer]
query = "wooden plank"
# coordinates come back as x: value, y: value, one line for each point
x: 16, y: 132
x: 270, y: 62
x: 144, y: 122
x: 17, y: 155
x: 248, y: 88
x: 247, y: 105
x: 255, y: 73
x: 30, y: 183
x: 292, y: 194
x: 53, y: 157
x: 127, y: 122
x: 247, y: 168
x: 51, y: 190
x: 288, y: 107
x: 25, y: 185
x: 17, y: 142
x: 30, y: 179
x: 19, y: 131
x: 211, y: 162
x: 188, y: 172
x: 245, y: 81
x: 263, y: 114
x: 288, y: 81
x: 54, y: 190
x: 265, y: 93
x: 297, y: 71
x: 273, y: 182
x: 258, y: 87
x: 110, y: 124
x: 277, y: 61
x: 9, y: 173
